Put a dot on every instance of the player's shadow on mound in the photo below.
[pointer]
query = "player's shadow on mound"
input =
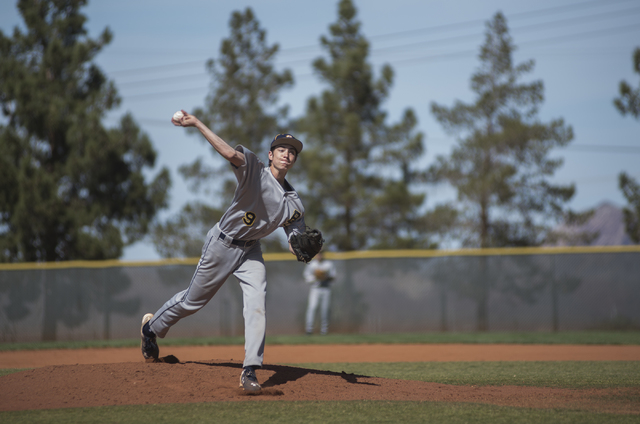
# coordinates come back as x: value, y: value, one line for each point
x: 285, y: 374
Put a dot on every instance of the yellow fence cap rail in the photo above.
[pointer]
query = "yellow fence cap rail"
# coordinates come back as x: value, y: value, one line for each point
x: 362, y: 254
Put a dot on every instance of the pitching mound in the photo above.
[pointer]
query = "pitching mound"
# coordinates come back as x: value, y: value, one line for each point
x: 172, y: 381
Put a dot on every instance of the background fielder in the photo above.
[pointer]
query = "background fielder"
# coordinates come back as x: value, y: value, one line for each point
x: 320, y: 274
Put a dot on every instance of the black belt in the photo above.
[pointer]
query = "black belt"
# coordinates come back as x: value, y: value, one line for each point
x: 240, y: 243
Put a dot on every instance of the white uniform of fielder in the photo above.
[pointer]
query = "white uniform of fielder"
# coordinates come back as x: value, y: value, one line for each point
x: 320, y: 274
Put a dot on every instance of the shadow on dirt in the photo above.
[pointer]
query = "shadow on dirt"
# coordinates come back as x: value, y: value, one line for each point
x: 285, y: 374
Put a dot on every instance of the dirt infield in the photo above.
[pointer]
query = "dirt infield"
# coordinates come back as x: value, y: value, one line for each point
x: 99, y: 377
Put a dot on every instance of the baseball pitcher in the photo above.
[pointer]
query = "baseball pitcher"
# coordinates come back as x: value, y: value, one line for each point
x: 263, y: 201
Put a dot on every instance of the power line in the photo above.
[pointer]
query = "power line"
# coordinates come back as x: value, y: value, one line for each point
x: 164, y: 79
x: 527, y: 28
x: 156, y: 67
x: 419, y: 60
x: 560, y: 38
x: 440, y: 41
x: 423, y: 59
x: 596, y: 148
x: 605, y: 149
x: 405, y: 62
x: 465, y: 24
x: 514, y: 16
x: 567, y: 54
x: 182, y: 91
x: 587, y: 148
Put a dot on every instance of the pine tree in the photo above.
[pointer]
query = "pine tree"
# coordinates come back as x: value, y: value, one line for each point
x: 71, y: 188
x: 501, y: 166
x: 629, y: 103
x: 242, y: 109
x: 359, y: 171
x: 629, y: 100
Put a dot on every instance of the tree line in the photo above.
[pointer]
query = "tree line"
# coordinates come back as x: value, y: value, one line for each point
x: 73, y: 189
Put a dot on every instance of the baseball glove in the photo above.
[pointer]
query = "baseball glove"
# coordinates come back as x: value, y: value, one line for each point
x: 306, y: 245
x: 320, y: 274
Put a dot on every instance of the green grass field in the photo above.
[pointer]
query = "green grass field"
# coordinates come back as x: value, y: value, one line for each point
x: 578, y: 374
x: 314, y: 412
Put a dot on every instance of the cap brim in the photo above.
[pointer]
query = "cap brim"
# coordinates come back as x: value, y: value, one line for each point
x: 289, y: 141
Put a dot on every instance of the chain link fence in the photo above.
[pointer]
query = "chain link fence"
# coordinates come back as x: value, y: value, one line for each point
x: 528, y: 289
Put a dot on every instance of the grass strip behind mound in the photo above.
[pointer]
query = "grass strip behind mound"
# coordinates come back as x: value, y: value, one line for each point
x: 559, y: 374
x: 565, y: 337
x: 315, y: 412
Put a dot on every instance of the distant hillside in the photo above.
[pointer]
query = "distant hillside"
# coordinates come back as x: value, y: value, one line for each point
x: 606, y: 228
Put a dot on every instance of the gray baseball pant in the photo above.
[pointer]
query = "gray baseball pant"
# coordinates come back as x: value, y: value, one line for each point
x: 220, y: 259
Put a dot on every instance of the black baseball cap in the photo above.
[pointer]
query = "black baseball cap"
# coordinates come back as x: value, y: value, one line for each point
x: 287, y: 139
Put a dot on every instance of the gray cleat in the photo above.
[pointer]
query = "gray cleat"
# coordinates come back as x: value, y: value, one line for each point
x: 248, y: 380
x: 148, y: 343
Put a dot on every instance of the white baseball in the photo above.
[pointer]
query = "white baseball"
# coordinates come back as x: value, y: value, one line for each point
x: 178, y: 115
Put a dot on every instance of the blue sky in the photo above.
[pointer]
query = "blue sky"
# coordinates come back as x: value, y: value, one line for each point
x: 582, y: 50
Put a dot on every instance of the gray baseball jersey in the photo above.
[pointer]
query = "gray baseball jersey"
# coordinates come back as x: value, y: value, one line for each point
x: 260, y: 205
